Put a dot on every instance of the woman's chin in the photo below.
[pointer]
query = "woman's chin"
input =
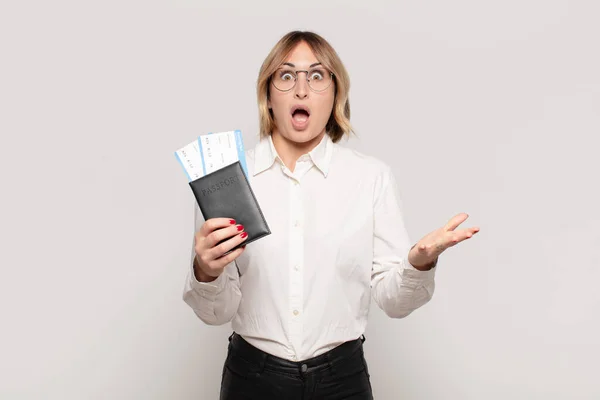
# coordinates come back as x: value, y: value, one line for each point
x: 302, y: 136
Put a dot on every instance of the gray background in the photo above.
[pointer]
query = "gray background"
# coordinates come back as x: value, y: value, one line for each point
x: 490, y: 108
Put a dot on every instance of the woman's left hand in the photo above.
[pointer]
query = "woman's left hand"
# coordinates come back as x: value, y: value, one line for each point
x: 424, y: 254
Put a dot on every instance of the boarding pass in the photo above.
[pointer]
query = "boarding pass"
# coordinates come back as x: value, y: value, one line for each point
x: 211, y: 152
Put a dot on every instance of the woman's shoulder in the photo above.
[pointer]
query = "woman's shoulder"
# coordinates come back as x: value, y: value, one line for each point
x: 360, y: 162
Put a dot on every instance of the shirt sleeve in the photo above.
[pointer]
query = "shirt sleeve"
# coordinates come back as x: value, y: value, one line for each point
x: 398, y: 288
x: 216, y: 302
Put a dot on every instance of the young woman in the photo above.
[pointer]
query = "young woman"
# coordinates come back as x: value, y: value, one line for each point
x: 299, y: 298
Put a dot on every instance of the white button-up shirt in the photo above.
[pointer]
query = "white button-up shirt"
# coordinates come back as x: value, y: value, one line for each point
x: 338, y: 239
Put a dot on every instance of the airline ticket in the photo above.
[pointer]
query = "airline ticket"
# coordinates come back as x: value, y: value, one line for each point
x: 211, y: 152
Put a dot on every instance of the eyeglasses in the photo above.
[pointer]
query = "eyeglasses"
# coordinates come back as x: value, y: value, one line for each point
x: 319, y: 79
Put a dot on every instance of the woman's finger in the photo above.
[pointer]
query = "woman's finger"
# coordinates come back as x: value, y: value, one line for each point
x: 212, y: 224
x: 221, y: 234
x: 455, y: 221
x: 217, y: 251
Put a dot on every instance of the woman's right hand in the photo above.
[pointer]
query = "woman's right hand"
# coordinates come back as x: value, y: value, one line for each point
x: 209, y: 261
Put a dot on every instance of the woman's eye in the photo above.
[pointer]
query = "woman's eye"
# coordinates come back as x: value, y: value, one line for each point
x: 316, y: 76
x: 286, y: 76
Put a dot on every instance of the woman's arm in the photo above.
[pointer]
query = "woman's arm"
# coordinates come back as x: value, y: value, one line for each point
x: 398, y: 287
x: 215, y: 301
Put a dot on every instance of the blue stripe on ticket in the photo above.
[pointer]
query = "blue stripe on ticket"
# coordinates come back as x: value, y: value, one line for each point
x: 240, y: 150
x: 201, y: 155
x: 183, y: 166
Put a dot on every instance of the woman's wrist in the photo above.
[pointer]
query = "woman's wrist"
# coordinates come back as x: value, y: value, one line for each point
x: 201, y: 276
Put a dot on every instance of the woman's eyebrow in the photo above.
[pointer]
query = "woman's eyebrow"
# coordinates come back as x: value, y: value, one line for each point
x: 294, y: 66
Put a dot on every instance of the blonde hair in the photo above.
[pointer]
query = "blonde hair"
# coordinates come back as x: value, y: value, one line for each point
x: 339, y: 121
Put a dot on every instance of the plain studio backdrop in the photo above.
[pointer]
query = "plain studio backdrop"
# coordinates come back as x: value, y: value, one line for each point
x: 489, y: 108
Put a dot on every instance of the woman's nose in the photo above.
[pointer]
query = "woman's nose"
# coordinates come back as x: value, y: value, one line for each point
x: 301, y: 89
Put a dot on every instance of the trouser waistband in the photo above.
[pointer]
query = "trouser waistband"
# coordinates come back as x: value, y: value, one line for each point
x: 331, y: 359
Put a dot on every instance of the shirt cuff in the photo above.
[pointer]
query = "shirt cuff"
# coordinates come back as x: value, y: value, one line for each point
x: 213, y: 287
x: 415, y: 276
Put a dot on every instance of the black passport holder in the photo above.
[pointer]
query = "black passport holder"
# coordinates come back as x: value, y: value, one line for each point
x: 226, y: 193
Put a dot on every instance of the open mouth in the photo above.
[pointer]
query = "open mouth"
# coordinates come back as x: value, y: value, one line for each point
x: 300, y: 115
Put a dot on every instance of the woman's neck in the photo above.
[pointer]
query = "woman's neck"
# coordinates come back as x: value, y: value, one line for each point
x: 290, y: 151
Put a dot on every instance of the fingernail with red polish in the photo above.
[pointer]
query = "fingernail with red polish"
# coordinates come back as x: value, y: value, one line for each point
x: 240, y: 227
x: 232, y: 221
x: 243, y: 235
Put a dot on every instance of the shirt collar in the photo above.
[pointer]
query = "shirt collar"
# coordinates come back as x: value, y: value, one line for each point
x: 266, y: 155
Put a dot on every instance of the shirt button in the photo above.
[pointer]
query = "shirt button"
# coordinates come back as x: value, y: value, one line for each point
x: 296, y: 312
x: 297, y: 223
x: 296, y: 268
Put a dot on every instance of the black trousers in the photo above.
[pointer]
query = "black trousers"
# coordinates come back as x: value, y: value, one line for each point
x: 250, y: 373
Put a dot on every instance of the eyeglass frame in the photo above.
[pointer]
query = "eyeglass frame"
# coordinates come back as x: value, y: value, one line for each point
x: 307, y: 80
